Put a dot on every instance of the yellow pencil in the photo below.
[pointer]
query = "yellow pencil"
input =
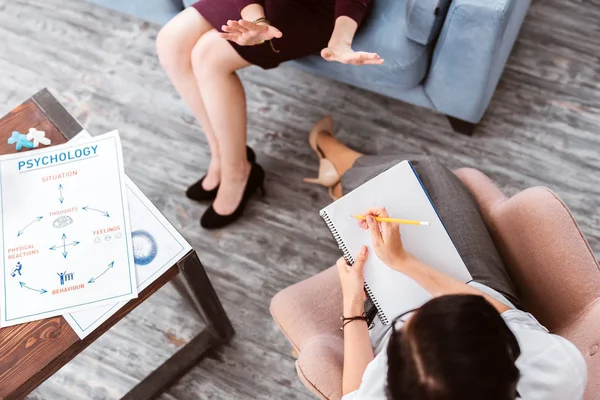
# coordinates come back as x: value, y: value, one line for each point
x: 394, y: 220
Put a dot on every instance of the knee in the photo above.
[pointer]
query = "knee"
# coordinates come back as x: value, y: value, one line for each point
x: 429, y: 165
x: 426, y: 160
x: 207, y: 59
x: 173, y: 47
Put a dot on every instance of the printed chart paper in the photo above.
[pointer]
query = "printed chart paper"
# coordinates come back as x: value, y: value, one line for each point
x: 65, y: 231
x: 156, y: 247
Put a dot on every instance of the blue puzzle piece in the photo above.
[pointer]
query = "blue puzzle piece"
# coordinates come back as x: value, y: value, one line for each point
x: 20, y: 140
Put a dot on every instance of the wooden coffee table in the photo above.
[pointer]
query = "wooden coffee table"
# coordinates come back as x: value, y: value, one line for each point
x: 32, y: 352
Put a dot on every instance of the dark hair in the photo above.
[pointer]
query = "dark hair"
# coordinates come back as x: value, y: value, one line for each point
x: 454, y: 347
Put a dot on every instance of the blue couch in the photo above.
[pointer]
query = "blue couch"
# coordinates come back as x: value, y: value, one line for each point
x: 445, y: 55
x: 450, y: 62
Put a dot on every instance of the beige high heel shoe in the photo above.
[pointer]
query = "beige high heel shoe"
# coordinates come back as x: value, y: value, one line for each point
x: 328, y: 175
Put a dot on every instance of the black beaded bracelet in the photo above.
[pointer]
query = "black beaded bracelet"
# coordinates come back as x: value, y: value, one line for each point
x: 346, y: 321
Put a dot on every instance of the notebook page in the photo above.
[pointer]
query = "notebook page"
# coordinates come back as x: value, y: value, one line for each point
x: 401, y: 193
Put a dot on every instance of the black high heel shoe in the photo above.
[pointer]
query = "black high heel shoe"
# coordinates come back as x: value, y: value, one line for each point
x: 198, y: 193
x: 212, y: 220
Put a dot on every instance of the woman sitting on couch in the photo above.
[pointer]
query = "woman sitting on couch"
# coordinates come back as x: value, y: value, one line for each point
x: 204, y: 46
x: 471, y: 341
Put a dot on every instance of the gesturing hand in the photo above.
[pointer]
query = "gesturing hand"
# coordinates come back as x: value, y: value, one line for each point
x: 246, y: 33
x: 386, y: 238
x: 353, y: 282
x: 344, y: 54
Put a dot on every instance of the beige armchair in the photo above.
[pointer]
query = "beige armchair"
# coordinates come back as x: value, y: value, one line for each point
x: 548, y: 258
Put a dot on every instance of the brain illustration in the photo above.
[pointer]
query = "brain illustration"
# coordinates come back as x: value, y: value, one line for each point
x: 63, y: 221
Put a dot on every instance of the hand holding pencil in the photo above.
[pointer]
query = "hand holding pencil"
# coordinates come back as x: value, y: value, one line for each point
x: 385, y: 235
x: 381, y: 215
x: 393, y: 220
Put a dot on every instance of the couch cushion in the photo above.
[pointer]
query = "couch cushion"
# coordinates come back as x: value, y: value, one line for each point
x: 383, y: 32
x: 425, y: 19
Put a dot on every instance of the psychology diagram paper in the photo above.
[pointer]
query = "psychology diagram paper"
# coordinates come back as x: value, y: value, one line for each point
x: 156, y: 247
x: 65, y: 231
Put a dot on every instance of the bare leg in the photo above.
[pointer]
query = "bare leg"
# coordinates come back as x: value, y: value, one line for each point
x: 214, y: 64
x: 341, y: 156
x: 174, y: 44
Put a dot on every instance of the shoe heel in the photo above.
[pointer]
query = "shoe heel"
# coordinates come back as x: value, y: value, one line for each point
x: 315, y: 181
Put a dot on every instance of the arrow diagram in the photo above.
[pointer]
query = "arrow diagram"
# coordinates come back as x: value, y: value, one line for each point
x: 40, y: 291
x: 64, y: 245
x: 64, y: 239
x: 28, y: 225
x: 60, y: 197
x: 112, y: 264
x: 86, y: 208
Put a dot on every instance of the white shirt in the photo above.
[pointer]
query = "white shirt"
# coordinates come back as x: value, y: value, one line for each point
x: 551, y: 367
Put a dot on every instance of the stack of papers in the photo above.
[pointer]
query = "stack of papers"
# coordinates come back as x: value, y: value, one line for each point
x: 78, y: 238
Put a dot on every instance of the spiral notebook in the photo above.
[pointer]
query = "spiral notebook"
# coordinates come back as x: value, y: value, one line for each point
x: 401, y: 192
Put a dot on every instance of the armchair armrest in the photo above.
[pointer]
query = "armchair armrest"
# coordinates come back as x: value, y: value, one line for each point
x: 547, y: 257
x: 309, y: 308
x: 320, y: 366
x: 308, y: 314
x: 585, y: 334
x: 470, y: 55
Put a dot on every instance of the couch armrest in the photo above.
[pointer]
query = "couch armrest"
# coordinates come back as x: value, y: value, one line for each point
x: 470, y: 55
x: 320, y: 366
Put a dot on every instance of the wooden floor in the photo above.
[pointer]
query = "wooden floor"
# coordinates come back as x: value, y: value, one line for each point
x: 543, y: 128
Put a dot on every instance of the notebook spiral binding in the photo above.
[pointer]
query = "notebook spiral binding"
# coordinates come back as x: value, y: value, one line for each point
x: 350, y: 260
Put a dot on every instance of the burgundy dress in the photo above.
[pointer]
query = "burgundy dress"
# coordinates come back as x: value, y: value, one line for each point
x: 306, y: 25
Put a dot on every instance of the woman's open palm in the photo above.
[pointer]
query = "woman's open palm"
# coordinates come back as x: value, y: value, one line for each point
x: 246, y: 33
x: 345, y: 55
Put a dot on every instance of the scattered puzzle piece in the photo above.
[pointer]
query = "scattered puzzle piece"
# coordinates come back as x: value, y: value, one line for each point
x: 38, y: 137
x: 19, y: 140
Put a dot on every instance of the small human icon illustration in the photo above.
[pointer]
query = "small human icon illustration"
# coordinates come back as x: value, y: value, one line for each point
x: 16, y: 270
x: 65, y: 276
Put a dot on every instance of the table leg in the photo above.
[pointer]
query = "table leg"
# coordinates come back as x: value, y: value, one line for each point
x: 204, y: 296
x: 218, y: 331
x: 175, y: 367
